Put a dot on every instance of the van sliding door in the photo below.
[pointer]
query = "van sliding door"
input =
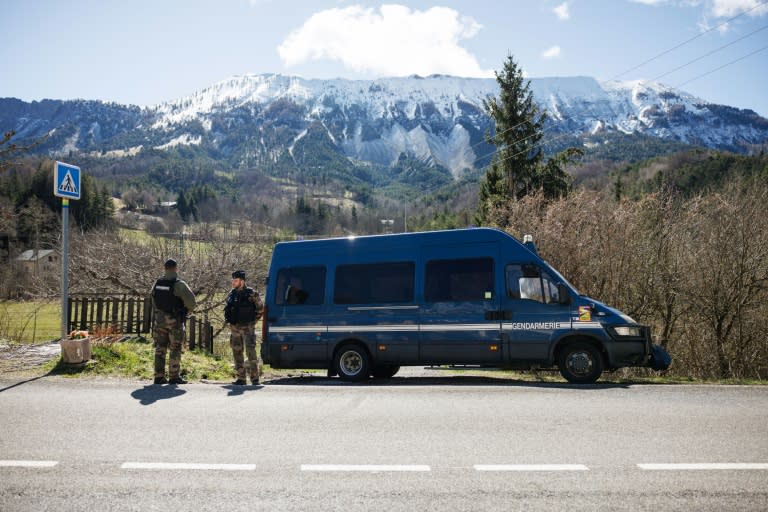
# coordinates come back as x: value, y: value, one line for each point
x: 459, y: 321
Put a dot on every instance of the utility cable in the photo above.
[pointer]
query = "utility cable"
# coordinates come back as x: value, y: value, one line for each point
x: 710, y: 53
x: 721, y: 67
x: 691, y: 39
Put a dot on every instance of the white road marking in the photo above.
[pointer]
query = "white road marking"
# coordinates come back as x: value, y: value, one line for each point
x: 703, y: 466
x: 28, y: 463
x: 531, y: 467
x: 365, y: 467
x: 186, y: 465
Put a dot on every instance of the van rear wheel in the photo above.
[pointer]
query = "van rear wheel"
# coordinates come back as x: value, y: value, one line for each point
x: 352, y: 363
x: 580, y: 363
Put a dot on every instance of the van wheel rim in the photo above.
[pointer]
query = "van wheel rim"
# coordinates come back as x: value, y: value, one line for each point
x: 350, y: 362
x: 579, y: 363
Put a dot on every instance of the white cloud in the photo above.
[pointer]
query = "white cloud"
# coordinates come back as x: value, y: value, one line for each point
x: 551, y: 53
x: 393, y: 41
x: 731, y: 8
x: 717, y: 8
x: 561, y: 11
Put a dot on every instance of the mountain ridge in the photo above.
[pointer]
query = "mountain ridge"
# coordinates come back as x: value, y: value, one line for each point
x: 250, y: 120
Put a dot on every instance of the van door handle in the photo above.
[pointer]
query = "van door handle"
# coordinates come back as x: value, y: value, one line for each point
x: 498, y: 315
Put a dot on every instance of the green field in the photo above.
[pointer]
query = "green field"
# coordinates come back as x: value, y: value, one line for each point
x: 30, y: 322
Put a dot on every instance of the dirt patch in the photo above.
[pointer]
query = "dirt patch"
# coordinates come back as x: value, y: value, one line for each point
x: 21, y: 357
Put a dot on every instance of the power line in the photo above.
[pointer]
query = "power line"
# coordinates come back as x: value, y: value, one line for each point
x: 691, y: 39
x: 721, y: 67
x: 710, y: 53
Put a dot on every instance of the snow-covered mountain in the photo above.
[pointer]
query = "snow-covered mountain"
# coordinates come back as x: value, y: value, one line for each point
x: 438, y: 119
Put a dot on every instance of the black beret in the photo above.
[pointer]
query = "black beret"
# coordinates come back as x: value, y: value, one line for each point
x: 238, y: 274
x: 171, y: 263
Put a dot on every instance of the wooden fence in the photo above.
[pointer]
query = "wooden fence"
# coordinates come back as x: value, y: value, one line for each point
x: 129, y: 315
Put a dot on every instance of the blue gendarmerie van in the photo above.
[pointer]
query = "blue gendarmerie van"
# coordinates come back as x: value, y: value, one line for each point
x: 365, y: 306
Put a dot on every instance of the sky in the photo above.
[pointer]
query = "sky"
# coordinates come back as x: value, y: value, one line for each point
x: 144, y: 52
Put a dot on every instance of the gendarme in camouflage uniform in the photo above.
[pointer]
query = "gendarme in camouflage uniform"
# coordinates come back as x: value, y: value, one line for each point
x: 243, y: 308
x: 172, y: 300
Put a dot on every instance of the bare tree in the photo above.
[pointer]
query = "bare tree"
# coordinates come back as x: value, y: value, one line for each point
x: 726, y: 257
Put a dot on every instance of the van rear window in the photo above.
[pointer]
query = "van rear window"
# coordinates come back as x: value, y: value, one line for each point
x: 300, y: 285
x: 459, y: 280
x: 374, y: 283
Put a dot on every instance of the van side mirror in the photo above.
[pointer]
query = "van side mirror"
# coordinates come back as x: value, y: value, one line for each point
x: 563, y: 295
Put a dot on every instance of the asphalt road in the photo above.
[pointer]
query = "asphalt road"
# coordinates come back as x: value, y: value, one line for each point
x: 413, y: 444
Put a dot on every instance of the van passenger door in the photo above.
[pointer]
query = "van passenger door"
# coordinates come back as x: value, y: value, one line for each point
x: 459, y: 321
x: 536, y: 316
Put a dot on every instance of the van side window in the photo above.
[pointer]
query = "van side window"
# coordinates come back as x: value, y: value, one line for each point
x: 300, y: 285
x: 530, y: 282
x: 374, y: 283
x: 468, y: 279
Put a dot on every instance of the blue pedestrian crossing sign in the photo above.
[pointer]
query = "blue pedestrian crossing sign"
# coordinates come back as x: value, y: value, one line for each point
x: 66, y: 181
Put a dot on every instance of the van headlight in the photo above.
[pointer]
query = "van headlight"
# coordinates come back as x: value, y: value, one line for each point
x: 627, y: 331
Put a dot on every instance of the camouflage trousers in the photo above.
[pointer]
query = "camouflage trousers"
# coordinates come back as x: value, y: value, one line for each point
x: 168, y: 333
x: 244, y: 337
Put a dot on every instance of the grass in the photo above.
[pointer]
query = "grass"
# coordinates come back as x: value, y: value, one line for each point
x: 134, y: 359
x: 30, y: 322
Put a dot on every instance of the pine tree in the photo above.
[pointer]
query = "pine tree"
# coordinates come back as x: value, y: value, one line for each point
x: 518, y: 167
x: 182, y: 206
x: 519, y: 128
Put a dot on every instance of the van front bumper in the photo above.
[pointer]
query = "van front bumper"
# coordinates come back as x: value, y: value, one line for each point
x: 636, y: 351
x: 626, y: 351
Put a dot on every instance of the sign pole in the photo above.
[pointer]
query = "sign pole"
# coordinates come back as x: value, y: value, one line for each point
x: 66, y: 185
x: 64, y: 267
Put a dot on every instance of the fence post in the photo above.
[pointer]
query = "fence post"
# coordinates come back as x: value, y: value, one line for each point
x: 147, y: 324
x: 129, y: 322
x: 99, y: 313
x: 191, y: 337
x: 113, y: 310
x: 83, y: 313
x: 209, y: 341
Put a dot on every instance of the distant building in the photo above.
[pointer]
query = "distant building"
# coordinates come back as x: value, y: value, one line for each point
x: 35, y: 262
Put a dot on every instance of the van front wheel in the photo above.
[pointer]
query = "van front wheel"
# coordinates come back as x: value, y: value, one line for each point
x: 580, y: 363
x: 352, y: 363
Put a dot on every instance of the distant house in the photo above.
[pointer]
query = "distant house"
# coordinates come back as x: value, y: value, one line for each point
x: 35, y: 262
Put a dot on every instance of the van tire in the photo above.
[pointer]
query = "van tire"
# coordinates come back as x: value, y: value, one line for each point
x: 385, y: 371
x: 580, y: 363
x: 352, y: 363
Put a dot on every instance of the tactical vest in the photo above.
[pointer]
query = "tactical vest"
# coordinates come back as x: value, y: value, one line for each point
x: 165, y: 300
x: 239, y: 309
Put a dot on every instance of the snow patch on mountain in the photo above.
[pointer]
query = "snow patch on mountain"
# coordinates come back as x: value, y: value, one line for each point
x: 182, y: 140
